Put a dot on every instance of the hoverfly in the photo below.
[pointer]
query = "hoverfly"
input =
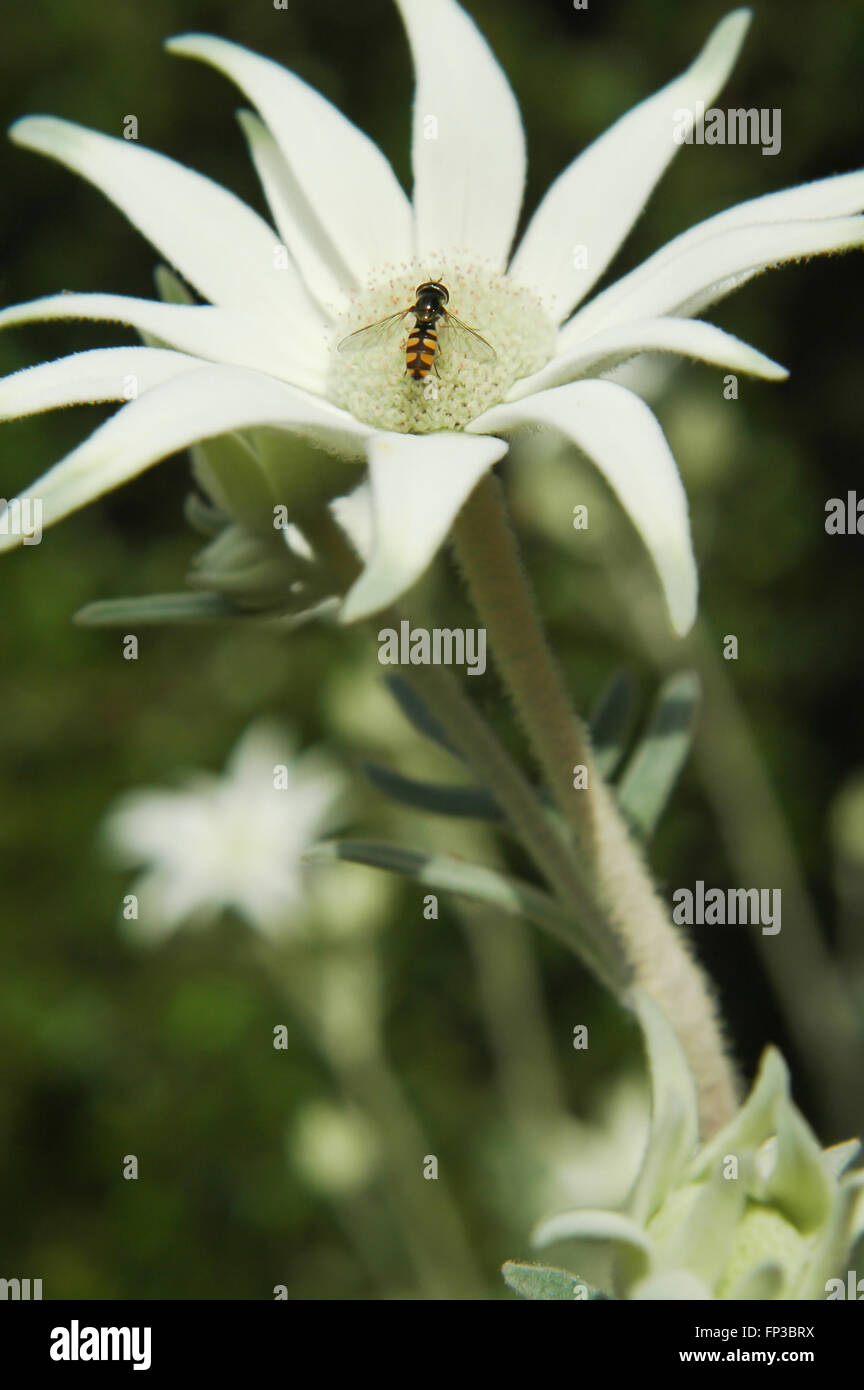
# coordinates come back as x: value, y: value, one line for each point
x: 423, y: 348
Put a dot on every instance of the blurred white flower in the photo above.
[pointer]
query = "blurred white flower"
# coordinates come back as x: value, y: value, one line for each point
x: 334, y: 1148
x: 351, y: 248
x: 233, y: 841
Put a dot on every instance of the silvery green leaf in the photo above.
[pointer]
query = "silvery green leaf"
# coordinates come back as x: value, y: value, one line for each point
x: 230, y: 473
x: 611, y: 721
x: 257, y: 570
x: 299, y: 476
x: 538, y: 1282
x: 439, y: 798
x: 418, y: 714
x: 156, y: 608
x: 449, y: 874
x: 203, y: 518
x: 650, y: 775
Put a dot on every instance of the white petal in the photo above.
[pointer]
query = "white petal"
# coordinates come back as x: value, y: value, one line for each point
x: 468, y: 144
x: 344, y: 185
x: 595, y: 202
x: 165, y: 902
x: 249, y: 767
x: 150, y: 824
x: 687, y: 337
x: 674, y: 1112
x: 838, y: 196
x: 86, y: 378
x: 705, y: 270
x: 632, y: 1246
x: 419, y: 484
x: 621, y: 436
x: 217, y: 243
x: 355, y: 515
x: 322, y: 270
x: 217, y: 335
x: 199, y: 405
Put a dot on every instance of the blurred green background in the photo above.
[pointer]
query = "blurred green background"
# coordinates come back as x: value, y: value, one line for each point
x: 105, y: 1050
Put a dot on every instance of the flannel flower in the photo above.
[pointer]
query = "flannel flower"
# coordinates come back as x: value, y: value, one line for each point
x: 758, y: 1212
x: 229, y: 842
x: 259, y: 352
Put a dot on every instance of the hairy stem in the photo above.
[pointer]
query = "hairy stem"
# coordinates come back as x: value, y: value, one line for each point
x: 660, y: 962
x: 489, y: 558
x: 623, y: 930
x: 528, y: 819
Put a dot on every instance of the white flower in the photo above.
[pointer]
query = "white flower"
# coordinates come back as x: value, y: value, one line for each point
x: 232, y: 841
x: 334, y: 1147
x: 759, y: 1211
x: 352, y: 248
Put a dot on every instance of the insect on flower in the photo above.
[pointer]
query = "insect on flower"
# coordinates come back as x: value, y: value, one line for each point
x: 423, y: 348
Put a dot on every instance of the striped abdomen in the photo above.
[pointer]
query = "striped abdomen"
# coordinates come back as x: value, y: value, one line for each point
x: 421, y: 350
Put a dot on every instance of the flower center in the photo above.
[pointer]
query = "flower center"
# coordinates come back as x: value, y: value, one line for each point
x: 370, y: 377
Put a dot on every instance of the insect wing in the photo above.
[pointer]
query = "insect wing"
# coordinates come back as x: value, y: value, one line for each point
x: 373, y: 334
x: 460, y: 338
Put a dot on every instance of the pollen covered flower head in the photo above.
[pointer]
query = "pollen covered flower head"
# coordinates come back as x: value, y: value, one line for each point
x: 345, y: 248
x: 460, y: 386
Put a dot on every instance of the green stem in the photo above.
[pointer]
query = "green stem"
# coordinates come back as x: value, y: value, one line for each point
x: 489, y: 558
x: 531, y: 825
x: 481, y: 750
x: 660, y: 962
x: 628, y: 937
x: 428, y: 1220
x: 526, y: 1063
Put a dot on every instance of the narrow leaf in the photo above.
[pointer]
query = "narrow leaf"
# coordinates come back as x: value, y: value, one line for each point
x: 439, y: 798
x: 651, y: 773
x: 417, y: 712
x: 448, y: 873
x: 545, y: 1282
x: 156, y: 608
x: 202, y: 517
x: 611, y: 722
